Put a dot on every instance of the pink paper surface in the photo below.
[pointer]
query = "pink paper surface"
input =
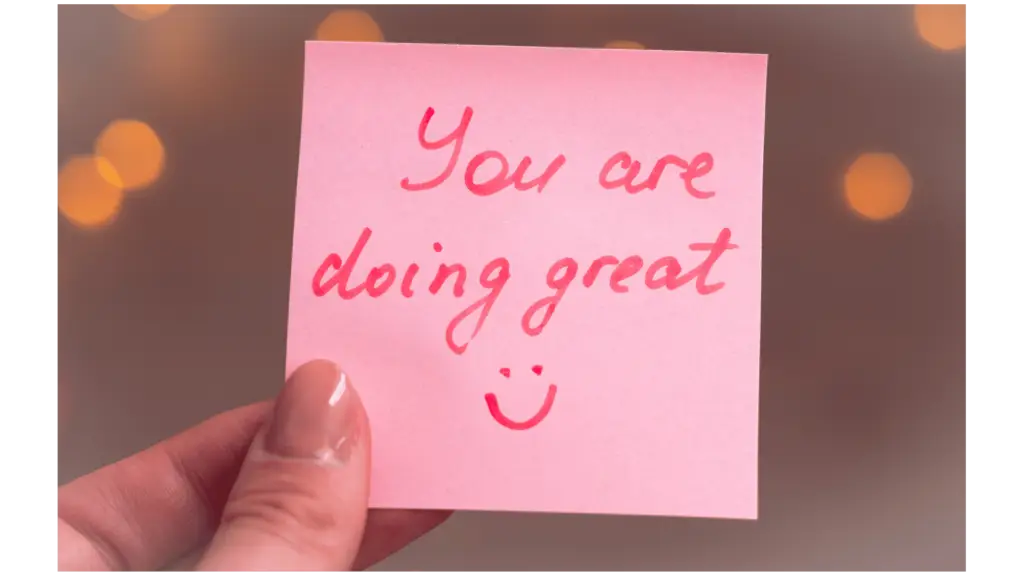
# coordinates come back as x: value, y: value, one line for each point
x: 655, y: 405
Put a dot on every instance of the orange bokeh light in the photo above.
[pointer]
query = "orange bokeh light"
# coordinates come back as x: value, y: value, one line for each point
x: 944, y: 26
x: 134, y: 151
x: 877, y: 186
x: 182, y: 66
x: 143, y: 11
x: 625, y: 45
x: 349, y: 26
x: 85, y: 193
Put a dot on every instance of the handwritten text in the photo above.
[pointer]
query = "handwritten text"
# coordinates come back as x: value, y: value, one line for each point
x: 619, y: 275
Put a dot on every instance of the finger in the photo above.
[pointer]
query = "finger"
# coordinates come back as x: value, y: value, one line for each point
x: 142, y: 512
x: 388, y: 531
x: 300, y: 499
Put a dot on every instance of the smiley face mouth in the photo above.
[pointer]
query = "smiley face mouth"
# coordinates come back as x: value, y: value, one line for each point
x: 500, y: 418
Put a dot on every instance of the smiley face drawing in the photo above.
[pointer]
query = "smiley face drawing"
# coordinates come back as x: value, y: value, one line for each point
x: 499, y: 416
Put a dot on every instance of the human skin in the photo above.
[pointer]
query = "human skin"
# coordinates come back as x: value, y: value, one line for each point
x: 279, y: 485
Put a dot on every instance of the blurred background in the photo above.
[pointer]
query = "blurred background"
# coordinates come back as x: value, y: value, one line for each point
x: 178, y: 143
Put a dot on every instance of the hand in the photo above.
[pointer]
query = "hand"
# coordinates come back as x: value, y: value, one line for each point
x: 279, y: 486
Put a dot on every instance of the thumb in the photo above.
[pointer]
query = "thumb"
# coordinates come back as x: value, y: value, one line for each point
x: 300, y: 500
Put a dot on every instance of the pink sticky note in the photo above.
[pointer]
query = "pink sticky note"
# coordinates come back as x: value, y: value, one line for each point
x: 541, y: 268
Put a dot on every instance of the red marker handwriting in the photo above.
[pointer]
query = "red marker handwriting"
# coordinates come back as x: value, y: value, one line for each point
x: 628, y: 171
x: 619, y: 171
x: 493, y: 185
x: 492, y: 405
x: 335, y: 274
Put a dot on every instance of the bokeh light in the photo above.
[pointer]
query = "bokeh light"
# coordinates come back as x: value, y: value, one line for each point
x: 349, y: 26
x: 87, y: 191
x: 182, y: 66
x: 143, y: 11
x: 134, y: 151
x: 625, y: 45
x: 877, y: 186
x: 944, y: 26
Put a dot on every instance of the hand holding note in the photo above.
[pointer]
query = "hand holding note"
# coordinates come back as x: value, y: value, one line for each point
x: 548, y: 280
x: 280, y: 487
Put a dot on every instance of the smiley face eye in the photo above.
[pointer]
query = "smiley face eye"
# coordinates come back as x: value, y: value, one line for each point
x: 537, y: 369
